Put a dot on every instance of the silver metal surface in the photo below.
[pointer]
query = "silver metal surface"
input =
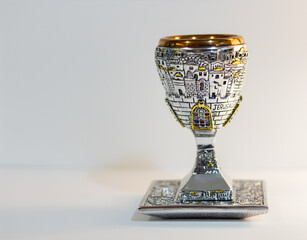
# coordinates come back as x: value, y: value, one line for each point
x: 203, y: 91
x: 203, y: 87
x: 205, y: 181
x: 249, y: 200
x: 214, y: 75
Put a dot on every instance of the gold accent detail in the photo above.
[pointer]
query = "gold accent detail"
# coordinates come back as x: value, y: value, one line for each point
x: 178, y: 75
x: 173, y: 112
x: 218, y: 69
x: 236, y: 75
x: 201, y: 68
x: 234, y: 111
x: 201, y: 104
x: 201, y: 40
x: 176, y: 51
x: 161, y: 67
x: 236, y: 61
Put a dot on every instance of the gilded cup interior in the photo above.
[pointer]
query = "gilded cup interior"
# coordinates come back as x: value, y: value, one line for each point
x: 201, y: 40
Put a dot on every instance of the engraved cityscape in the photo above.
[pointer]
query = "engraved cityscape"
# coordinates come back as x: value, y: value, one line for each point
x: 209, y: 76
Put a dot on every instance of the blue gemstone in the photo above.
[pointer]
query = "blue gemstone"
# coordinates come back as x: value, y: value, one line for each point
x: 195, y: 121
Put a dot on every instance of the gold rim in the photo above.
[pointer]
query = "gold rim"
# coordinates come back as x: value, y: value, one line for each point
x: 201, y: 40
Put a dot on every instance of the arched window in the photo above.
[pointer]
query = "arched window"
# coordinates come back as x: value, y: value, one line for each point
x: 189, y: 74
x: 201, y: 86
x: 180, y: 92
x: 201, y: 117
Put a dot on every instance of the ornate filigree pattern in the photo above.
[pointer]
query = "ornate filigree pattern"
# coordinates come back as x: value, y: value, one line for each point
x: 214, y: 76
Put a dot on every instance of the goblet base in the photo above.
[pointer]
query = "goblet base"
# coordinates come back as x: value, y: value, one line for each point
x: 249, y: 199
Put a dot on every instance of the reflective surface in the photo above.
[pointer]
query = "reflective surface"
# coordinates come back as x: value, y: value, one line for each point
x: 203, y: 91
x: 204, y: 83
x: 201, y: 40
x: 203, y: 77
x: 249, y: 200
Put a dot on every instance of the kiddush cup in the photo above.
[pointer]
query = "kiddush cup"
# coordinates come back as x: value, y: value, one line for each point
x: 202, y: 76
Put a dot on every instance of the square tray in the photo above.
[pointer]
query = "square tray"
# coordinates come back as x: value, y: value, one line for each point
x: 249, y: 199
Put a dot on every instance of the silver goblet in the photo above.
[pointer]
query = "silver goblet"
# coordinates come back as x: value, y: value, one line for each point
x: 203, y: 77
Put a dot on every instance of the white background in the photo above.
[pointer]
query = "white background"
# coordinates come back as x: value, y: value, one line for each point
x: 79, y: 90
x: 79, y: 85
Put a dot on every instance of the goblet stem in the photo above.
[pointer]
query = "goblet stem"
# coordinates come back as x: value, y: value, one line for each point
x: 205, y: 182
x: 205, y: 157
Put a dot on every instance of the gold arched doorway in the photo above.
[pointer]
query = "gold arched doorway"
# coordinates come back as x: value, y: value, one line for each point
x: 201, y: 117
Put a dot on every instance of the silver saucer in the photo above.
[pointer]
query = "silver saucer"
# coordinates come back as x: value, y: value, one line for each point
x: 249, y: 199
